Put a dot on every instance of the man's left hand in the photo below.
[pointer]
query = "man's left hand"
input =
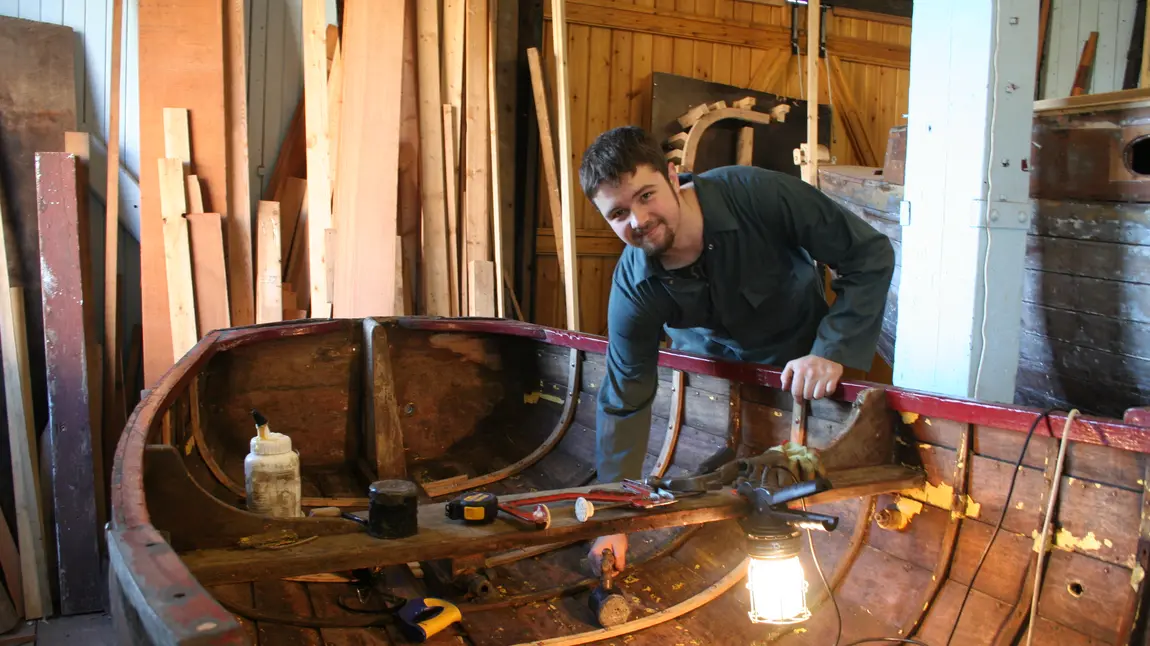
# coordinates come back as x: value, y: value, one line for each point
x: 812, y: 377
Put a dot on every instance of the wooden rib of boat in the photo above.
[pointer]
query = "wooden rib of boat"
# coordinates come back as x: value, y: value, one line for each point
x: 920, y: 483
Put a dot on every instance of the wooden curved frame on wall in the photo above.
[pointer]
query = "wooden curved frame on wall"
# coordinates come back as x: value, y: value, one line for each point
x: 674, y: 424
x: 691, y: 148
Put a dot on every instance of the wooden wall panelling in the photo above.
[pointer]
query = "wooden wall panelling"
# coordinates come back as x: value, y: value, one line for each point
x: 208, y: 269
x: 597, y: 43
x: 318, y: 154
x: 702, y: 25
x: 178, y: 39
x: 63, y: 242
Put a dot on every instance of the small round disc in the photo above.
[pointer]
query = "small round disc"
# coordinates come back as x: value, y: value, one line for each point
x: 614, y: 611
x: 584, y: 509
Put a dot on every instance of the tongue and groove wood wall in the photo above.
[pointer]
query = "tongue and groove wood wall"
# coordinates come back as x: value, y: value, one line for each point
x: 614, y: 46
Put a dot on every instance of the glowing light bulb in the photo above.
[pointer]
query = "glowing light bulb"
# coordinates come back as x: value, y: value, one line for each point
x: 778, y: 589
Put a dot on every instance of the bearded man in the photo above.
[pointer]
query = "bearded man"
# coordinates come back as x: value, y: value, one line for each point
x: 725, y: 263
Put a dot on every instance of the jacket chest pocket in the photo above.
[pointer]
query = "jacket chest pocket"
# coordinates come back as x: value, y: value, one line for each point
x: 759, y: 310
x: 693, y: 304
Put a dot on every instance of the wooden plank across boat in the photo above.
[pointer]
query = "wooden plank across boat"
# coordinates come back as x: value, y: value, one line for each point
x: 919, y: 483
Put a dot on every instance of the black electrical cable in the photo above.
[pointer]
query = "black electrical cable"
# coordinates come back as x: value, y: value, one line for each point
x: 830, y: 593
x: 887, y: 639
x: 1005, y: 507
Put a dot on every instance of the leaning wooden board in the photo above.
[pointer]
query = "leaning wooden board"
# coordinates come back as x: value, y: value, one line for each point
x: 37, y: 106
x: 62, y: 231
x: 181, y: 52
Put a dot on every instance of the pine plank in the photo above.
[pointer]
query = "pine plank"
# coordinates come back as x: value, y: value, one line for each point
x: 177, y: 257
x: 208, y: 271
x: 481, y: 282
x: 239, y: 207
x: 547, y: 149
x: 195, y: 194
x: 295, y: 262
x: 437, y: 291
x: 269, y: 287
x: 496, y: 193
x: 367, y: 189
x: 291, y: 205
x: 476, y: 217
x: 114, y: 414
x: 334, y: 100
x: 177, y: 140
x: 451, y: 161
x: 35, y: 591
x: 316, y: 125
x: 566, y: 176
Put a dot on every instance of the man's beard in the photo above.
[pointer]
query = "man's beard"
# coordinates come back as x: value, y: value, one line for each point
x: 654, y: 251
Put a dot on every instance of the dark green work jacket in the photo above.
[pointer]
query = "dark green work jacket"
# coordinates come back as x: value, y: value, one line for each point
x: 754, y: 295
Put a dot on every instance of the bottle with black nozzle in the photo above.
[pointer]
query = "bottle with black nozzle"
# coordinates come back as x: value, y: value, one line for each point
x: 271, y: 473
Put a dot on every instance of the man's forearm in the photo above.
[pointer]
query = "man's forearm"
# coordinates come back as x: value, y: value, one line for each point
x: 850, y: 330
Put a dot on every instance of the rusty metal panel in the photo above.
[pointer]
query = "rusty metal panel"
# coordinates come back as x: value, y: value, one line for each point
x: 63, y: 252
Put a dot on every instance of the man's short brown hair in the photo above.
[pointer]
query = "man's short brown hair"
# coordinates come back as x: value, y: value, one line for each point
x: 617, y: 152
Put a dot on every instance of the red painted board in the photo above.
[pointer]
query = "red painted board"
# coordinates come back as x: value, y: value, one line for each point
x: 66, y: 297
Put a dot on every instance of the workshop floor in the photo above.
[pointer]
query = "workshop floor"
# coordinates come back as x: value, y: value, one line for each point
x: 89, y: 630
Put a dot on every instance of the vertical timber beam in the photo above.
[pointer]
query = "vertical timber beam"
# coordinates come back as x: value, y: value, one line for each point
x: 566, y: 157
x: 971, y: 85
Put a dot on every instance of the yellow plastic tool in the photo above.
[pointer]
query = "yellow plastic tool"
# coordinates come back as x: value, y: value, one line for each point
x: 423, y: 618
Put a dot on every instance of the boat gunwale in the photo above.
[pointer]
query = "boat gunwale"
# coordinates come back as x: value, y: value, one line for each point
x: 183, y: 619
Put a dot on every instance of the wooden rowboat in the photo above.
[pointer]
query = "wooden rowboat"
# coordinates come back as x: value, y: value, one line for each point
x: 922, y: 486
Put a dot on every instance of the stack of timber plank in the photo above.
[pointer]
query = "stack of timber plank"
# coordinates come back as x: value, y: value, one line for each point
x: 58, y: 375
x: 374, y: 206
x: 386, y: 207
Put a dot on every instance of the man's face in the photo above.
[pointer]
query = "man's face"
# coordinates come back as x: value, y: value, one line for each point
x: 643, y: 209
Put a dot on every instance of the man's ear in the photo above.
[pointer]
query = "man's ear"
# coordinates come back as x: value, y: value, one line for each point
x: 673, y: 176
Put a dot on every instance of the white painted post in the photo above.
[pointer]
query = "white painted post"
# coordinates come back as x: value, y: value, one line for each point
x: 971, y: 88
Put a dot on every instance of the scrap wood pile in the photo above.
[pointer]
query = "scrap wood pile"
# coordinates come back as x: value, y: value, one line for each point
x: 382, y: 199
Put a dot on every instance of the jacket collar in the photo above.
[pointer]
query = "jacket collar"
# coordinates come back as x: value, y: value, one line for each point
x: 717, y: 218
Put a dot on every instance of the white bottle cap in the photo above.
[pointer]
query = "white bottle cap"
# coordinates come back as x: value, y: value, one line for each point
x: 273, y: 444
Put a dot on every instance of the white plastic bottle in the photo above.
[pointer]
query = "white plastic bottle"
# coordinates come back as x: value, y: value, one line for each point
x: 271, y: 473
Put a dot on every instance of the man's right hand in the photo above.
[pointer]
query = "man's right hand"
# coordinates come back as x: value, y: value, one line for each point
x: 617, y: 543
